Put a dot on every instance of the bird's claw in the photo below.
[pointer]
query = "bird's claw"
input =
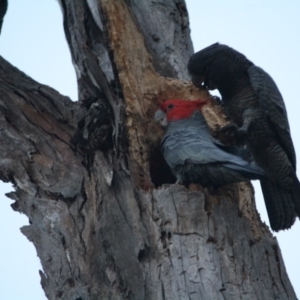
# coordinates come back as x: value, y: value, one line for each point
x: 242, y: 131
x: 230, y: 128
x: 234, y: 132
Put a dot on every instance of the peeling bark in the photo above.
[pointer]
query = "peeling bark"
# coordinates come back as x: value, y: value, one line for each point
x: 104, y: 220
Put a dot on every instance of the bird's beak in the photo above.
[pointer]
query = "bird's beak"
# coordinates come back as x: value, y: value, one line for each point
x: 203, y: 83
x: 199, y: 81
x: 161, y: 117
x: 210, y: 85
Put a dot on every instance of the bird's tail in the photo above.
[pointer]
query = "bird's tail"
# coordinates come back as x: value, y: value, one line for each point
x: 296, y: 194
x: 282, y: 205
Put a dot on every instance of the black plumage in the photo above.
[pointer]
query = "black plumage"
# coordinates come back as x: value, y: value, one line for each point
x: 255, y: 106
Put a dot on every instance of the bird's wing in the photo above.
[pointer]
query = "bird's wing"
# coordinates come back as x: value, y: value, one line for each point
x: 242, y: 152
x: 189, y: 147
x: 273, y: 105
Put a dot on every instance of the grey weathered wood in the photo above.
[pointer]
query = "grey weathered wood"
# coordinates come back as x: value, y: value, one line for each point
x: 167, y: 34
x: 82, y: 177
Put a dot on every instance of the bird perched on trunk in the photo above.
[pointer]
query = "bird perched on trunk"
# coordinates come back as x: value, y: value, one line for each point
x: 255, y: 106
x: 193, y: 155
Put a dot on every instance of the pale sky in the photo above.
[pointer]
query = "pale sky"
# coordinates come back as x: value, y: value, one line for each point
x: 33, y: 40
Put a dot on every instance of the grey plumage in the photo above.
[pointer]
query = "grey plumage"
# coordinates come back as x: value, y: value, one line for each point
x: 253, y: 102
x: 194, y: 156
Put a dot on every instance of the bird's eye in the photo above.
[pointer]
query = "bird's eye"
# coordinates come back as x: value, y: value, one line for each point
x: 170, y: 106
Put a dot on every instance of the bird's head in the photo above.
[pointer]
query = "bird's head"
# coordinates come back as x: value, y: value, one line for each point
x: 175, y: 110
x: 215, y: 65
x: 201, y: 64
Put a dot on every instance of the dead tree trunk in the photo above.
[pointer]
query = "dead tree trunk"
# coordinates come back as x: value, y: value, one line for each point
x: 105, y: 218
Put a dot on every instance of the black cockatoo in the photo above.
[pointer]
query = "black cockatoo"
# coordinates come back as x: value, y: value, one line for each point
x: 256, y: 109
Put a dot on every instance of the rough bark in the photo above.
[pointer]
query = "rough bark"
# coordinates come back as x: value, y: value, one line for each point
x: 104, y: 221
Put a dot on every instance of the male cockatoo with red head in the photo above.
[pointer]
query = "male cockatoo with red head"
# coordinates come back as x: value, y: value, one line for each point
x: 193, y: 155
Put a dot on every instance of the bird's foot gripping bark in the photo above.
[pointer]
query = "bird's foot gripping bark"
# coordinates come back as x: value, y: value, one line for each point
x: 232, y: 131
x: 232, y: 127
